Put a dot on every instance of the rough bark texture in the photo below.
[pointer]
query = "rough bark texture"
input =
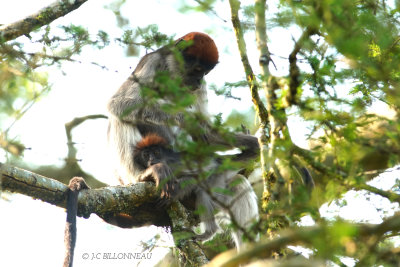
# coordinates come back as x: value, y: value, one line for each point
x: 42, y: 17
x: 134, y: 199
x: 304, y: 236
x: 190, y: 252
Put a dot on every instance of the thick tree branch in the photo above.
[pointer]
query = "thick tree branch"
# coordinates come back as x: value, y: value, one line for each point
x: 303, y: 236
x: 135, y: 199
x: 38, y: 19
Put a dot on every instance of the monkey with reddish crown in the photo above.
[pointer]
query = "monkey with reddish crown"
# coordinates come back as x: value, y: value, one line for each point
x: 138, y: 136
x: 131, y: 119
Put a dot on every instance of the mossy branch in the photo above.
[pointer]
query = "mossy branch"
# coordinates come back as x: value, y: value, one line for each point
x: 250, y: 77
x: 306, y: 236
x: 390, y: 195
x: 42, y: 17
x: 190, y: 253
x: 135, y: 199
x: 294, y: 71
x: 267, y: 131
x: 259, y: 106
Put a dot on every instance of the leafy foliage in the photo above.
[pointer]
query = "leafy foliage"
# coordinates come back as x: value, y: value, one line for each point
x: 344, y: 65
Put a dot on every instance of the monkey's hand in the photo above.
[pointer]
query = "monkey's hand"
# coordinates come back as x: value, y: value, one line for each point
x: 77, y: 184
x: 162, y: 175
x: 164, y: 179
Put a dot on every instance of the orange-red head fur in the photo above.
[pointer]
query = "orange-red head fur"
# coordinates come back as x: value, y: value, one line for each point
x: 203, y: 47
x: 150, y: 140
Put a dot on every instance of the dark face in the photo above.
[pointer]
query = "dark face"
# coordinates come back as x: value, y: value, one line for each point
x: 152, y: 155
x: 195, y: 70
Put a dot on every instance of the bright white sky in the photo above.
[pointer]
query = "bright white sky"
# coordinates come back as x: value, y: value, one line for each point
x: 31, y: 231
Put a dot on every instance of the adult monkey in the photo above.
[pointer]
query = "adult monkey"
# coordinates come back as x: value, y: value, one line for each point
x: 130, y: 119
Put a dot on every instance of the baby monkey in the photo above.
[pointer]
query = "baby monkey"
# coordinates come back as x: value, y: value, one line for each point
x: 160, y: 163
x: 156, y: 161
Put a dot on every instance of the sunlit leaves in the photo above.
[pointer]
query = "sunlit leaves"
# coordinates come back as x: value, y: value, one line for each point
x: 104, y: 39
x: 18, y: 87
x: 152, y: 37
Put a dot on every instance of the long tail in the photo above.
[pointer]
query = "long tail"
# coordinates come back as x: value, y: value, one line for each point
x: 75, y: 185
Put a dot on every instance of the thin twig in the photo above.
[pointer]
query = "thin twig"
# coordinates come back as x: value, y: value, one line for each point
x: 71, y: 125
x: 294, y: 72
x: 250, y: 77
